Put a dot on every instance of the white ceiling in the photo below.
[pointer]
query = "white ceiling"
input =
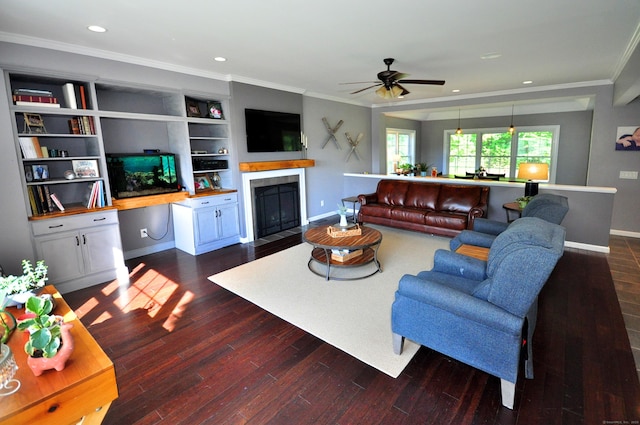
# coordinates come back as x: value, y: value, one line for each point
x: 312, y: 47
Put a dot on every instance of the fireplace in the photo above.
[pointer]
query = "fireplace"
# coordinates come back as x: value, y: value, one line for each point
x: 276, y: 205
x: 274, y: 200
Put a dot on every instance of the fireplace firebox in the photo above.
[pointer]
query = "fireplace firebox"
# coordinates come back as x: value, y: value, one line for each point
x: 277, y: 208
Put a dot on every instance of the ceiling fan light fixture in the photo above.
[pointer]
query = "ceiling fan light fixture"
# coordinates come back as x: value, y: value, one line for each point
x: 390, y: 92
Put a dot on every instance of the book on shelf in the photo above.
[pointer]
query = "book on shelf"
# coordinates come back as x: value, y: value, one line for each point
x: 30, y: 147
x: 32, y: 92
x: 56, y: 201
x: 82, y: 125
x: 34, y: 99
x: 95, y: 195
x: 38, y: 104
x: 45, y: 151
x: 69, y: 92
x: 83, y: 99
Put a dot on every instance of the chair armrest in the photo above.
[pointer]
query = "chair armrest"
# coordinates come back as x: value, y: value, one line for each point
x: 458, y: 303
x: 492, y: 227
x: 459, y: 265
x: 475, y: 238
x: 368, y: 198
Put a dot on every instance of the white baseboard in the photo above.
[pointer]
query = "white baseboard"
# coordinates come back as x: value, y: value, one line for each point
x: 587, y: 247
x: 624, y: 233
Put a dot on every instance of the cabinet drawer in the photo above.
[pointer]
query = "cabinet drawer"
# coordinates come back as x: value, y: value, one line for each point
x: 211, y: 201
x: 80, y: 221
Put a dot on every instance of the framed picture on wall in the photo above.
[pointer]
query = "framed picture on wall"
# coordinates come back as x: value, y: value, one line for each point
x: 214, y: 110
x: 193, y: 110
x: 628, y: 138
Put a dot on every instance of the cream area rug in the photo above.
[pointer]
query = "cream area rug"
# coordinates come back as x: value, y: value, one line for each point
x: 354, y: 315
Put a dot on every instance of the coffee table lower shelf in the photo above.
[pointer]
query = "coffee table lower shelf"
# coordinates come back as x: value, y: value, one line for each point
x: 322, y: 256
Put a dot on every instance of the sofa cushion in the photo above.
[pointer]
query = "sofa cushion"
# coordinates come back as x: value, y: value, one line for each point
x: 376, y: 210
x: 422, y: 195
x: 392, y: 192
x: 458, y: 198
x: 446, y: 220
x: 409, y: 215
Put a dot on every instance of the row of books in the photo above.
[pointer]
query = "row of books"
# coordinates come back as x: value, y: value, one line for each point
x: 95, y: 198
x: 82, y: 125
x: 43, y: 201
x: 45, y: 98
x: 31, y: 148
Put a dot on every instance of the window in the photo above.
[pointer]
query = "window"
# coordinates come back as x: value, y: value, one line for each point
x: 499, y: 152
x: 401, y: 147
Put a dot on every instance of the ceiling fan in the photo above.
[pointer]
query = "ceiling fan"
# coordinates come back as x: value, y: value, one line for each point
x: 390, y: 82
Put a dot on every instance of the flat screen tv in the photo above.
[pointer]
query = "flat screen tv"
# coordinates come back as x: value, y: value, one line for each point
x: 132, y: 175
x: 269, y: 131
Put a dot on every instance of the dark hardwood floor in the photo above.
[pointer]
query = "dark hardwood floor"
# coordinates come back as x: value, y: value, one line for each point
x: 189, y: 352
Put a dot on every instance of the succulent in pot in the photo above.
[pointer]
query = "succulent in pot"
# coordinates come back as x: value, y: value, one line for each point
x: 50, y: 342
x: 32, y: 278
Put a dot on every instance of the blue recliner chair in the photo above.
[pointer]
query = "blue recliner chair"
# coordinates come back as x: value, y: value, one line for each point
x: 547, y: 206
x: 477, y: 312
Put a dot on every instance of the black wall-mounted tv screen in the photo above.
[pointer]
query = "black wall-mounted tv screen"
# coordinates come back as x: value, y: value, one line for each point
x: 269, y: 131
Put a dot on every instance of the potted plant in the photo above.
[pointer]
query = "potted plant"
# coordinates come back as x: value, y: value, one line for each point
x: 406, y: 168
x: 422, y: 168
x: 50, y: 342
x: 20, y: 288
x: 523, y: 201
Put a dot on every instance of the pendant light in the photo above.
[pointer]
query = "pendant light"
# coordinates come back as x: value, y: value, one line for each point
x: 459, y: 130
x: 512, y: 129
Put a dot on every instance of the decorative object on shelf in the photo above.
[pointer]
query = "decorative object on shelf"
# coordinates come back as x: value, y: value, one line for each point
x: 8, y: 320
x: 50, y: 342
x: 214, y: 110
x: 31, y: 279
x: 332, y: 133
x: 216, y: 181
x: 8, y: 368
x: 223, y: 151
x: 434, y: 172
x: 354, y: 145
x: 39, y: 172
x: 422, y: 168
x: 198, y: 152
x: 193, y: 110
x: 202, y: 183
x: 523, y: 201
x: 69, y: 175
x: 532, y: 171
x: 85, y: 168
x: 33, y: 123
x: 342, y: 211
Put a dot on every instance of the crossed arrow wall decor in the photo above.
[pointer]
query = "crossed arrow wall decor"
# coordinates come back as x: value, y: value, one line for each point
x: 332, y: 137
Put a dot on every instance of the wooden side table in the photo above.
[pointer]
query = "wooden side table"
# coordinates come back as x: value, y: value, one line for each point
x: 512, y: 207
x: 82, y: 392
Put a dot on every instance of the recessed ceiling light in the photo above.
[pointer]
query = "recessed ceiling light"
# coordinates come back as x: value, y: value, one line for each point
x: 96, y: 28
x: 492, y: 55
x: 527, y: 82
x: 455, y: 91
x: 220, y: 59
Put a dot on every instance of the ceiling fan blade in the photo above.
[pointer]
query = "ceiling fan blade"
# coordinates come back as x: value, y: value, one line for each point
x: 398, y: 75
x: 367, y: 88
x: 359, y: 82
x: 432, y: 82
x: 404, y: 91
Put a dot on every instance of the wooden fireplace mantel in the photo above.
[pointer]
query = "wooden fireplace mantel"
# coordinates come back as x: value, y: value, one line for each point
x: 276, y: 165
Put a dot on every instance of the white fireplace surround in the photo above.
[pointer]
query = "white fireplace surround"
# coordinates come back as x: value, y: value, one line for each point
x: 248, y: 195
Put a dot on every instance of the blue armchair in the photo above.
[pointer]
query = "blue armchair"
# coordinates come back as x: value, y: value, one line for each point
x: 477, y: 311
x: 547, y: 206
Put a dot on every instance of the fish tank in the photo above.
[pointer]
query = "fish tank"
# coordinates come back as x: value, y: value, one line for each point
x: 133, y: 175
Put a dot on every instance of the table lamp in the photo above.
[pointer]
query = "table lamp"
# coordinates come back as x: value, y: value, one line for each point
x: 532, y: 171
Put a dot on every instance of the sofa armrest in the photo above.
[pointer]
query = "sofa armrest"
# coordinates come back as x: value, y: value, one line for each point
x: 459, y: 265
x: 458, y: 303
x: 491, y: 227
x: 368, y: 198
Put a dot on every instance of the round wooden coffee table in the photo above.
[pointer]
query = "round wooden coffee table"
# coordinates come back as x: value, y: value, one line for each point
x: 355, y: 251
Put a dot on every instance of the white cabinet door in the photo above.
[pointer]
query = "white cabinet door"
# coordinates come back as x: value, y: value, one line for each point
x: 62, y: 254
x: 206, y: 228
x: 228, y: 220
x: 101, y: 248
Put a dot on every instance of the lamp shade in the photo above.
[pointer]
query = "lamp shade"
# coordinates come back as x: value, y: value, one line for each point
x: 389, y: 93
x: 533, y: 171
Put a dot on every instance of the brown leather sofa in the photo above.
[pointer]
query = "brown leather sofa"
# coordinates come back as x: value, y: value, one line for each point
x: 441, y: 209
